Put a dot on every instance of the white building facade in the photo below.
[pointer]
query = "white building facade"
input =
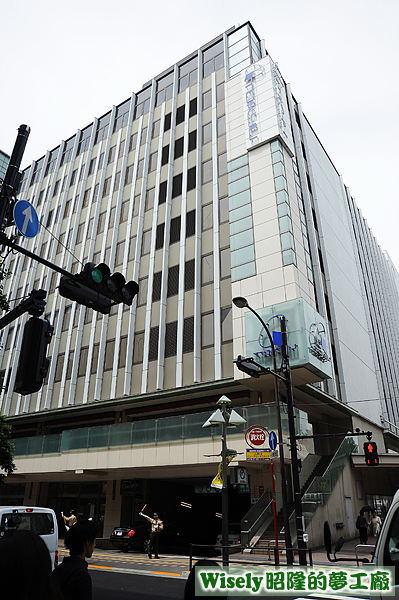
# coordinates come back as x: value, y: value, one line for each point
x: 207, y: 184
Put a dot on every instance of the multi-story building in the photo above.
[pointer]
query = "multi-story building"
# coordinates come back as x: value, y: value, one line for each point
x: 207, y: 184
x: 4, y: 160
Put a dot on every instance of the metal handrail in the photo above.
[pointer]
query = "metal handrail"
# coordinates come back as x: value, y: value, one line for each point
x: 270, y: 545
x: 247, y: 529
x: 364, y: 546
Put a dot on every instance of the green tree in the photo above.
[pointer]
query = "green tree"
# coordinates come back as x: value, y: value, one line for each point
x: 6, y: 450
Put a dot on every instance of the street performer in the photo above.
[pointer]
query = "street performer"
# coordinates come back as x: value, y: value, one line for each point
x: 156, y: 528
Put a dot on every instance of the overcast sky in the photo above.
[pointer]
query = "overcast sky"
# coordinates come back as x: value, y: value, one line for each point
x: 65, y: 63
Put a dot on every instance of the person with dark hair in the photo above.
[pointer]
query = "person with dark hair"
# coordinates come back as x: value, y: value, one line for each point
x: 72, y: 576
x: 156, y: 528
x: 362, y: 525
x: 69, y: 521
x: 25, y: 567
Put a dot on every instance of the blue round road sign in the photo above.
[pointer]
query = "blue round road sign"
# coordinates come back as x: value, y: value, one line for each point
x: 272, y: 440
x: 26, y: 219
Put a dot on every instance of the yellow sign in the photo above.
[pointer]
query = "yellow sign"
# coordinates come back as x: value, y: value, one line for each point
x: 217, y: 481
x: 258, y: 455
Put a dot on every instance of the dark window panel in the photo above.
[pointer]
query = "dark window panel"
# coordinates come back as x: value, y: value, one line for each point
x: 179, y: 147
x: 165, y: 155
x: 177, y: 185
x: 175, y: 225
x: 191, y: 178
x: 190, y: 223
x: 160, y: 236
x: 188, y: 335
x: 162, y: 192
x: 153, y: 350
x: 156, y: 287
x: 168, y: 121
x: 171, y: 339
x: 180, y: 115
x: 192, y: 140
x: 189, y: 275
x: 173, y: 281
x: 193, y: 107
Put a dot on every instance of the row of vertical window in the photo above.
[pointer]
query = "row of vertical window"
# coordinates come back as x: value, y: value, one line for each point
x: 240, y: 217
x: 283, y: 204
x: 302, y: 216
x: 243, y: 49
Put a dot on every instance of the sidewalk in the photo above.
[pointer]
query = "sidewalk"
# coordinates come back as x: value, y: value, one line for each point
x: 319, y: 555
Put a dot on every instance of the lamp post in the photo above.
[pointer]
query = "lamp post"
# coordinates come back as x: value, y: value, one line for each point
x: 224, y: 418
x: 243, y: 303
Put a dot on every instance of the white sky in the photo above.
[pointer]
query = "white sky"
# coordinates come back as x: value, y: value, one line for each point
x: 64, y: 63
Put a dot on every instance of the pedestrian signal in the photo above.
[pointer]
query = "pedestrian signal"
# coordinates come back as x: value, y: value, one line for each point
x: 371, y: 454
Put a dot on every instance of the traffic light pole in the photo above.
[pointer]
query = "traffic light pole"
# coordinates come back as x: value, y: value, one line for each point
x: 34, y: 305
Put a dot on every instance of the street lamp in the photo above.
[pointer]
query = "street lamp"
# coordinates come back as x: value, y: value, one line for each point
x: 241, y: 302
x: 224, y: 418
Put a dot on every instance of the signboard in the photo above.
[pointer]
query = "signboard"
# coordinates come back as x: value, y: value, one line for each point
x: 307, y: 337
x: 259, y: 490
x: 272, y: 440
x: 257, y: 455
x: 26, y: 219
x: 256, y: 436
x: 130, y: 486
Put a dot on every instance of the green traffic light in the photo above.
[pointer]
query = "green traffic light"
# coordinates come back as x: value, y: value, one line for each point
x: 96, y: 276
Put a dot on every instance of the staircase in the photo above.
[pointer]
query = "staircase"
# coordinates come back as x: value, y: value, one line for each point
x: 265, y: 541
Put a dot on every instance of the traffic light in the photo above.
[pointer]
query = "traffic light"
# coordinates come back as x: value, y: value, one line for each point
x: 33, y: 362
x: 371, y: 454
x: 96, y: 288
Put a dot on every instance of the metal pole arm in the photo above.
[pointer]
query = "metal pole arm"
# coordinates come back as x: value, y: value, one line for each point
x: 34, y: 305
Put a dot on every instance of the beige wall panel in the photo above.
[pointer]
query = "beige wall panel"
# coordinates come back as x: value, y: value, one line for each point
x: 227, y: 360
x: 208, y: 364
x: 170, y: 373
x: 207, y: 298
x: 188, y: 368
x: 106, y: 387
x: 136, y: 379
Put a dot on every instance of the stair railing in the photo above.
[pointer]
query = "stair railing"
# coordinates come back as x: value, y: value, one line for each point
x: 255, y: 517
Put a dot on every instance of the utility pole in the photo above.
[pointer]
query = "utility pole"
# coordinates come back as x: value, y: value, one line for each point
x: 12, y: 178
x: 286, y: 369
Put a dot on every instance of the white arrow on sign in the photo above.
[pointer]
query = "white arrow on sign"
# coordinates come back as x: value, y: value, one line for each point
x: 28, y: 218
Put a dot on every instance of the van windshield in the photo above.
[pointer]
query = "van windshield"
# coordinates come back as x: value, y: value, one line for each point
x: 40, y: 523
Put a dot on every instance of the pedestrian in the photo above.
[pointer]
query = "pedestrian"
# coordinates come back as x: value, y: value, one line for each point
x: 72, y: 576
x: 362, y: 525
x: 69, y: 521
x: 25, y: 567
x: 156, y: 528
x: 375, y: 524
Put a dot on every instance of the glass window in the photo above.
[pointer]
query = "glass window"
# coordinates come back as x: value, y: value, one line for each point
x: 143, y: 291
x: 120, y: 249
x: 207, y: 216
x: 227, y: 324
x: 207, y: 171
x: 225, y: 265
x: 243, y: 271
x: 241, y: 225
x: 240, y: 213
x: 153, y: 162
x: 241, y: 256
x: 238, y: 186
x: 222, y: 164
x: 192, y: 140
x: 221, y: 125
x: 206, y: 133
x: 278, y: 169
x: 146, y: 242
x: 224, y: 209
x: 207, y: 99
x: 156, y: 128
x: 109, y: 355
x: 287, y: 240
x: 207, y: 330
x: 138, y: 347
x: 150, y: 197
x: 220, y: 92
x: 122, y: 352
x: 237, y: 173
x: 207, y: 269
x: 111, y: 155
x: 133, y: 142
x: 241, y: 239
x: 67, y: 318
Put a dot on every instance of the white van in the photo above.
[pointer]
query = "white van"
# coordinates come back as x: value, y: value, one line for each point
x: 387, y: 548
x: 40, y: 520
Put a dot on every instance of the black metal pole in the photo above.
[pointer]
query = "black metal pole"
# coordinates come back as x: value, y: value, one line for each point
x: 294, y: 456
x: 284, y: 493
x: 11, y: 178
x: 225, y: 492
